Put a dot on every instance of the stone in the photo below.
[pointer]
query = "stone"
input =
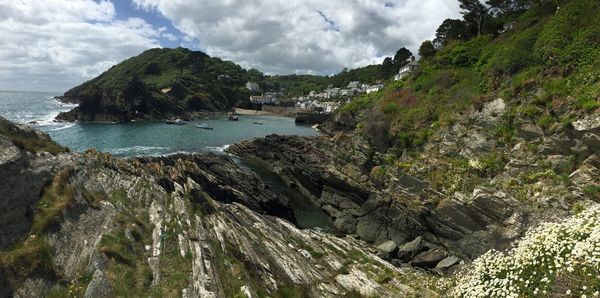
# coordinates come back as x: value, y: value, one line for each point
x: 447, y: 263
x: 593, y: 142
x: 588, y: 171
x: 99, y: 287
x: 590, y: 123
x: 557, y: 144
x: 409, y: 250
x: 529, y: 132
x: 428, y: 259
x: 387, y: 249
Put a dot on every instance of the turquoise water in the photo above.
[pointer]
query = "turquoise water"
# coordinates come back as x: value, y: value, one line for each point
x: 142, y: 138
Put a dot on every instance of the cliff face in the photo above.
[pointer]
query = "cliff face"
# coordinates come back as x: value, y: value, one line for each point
x: 158, y: 84
x: 464, y: 192
x: 193, y: 226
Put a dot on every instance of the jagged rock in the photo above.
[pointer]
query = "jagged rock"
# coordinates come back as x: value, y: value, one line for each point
x: 557, y: 144
x: 468, y: 228
x: 560, y: 163
x: 588, y: 172
x: 529, y: 132
x: 590, y: 123
x: 428, y: 259
x: 387, y: 249
x: 20, y: 188
x: 409, y: 250
x: 593, y: 142
x: 99, y: 286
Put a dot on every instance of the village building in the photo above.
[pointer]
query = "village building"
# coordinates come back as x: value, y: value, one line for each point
x: 264, y: 100
x: 353, y: 85
x: 252, y: 86
x: 407, y: 70
x: 507, y: 27
x: 374, y: 88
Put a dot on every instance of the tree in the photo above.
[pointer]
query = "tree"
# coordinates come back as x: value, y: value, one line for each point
x: 402, y: 56
x: 255, y: 75
x: 474, y: 13
x: 388, y: 66
x: 426, y: 50
x: 508, y: 7
x: 449, y: 30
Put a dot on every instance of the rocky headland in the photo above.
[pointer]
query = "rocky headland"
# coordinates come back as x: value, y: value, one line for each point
x: 159, y: 84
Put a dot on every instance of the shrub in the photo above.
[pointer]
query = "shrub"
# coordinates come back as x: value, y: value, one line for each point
x: 552, y: 260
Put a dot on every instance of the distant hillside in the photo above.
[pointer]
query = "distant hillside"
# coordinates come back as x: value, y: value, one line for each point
x: 544, y: 66
x: 297, y: 85
x: 158, y: 84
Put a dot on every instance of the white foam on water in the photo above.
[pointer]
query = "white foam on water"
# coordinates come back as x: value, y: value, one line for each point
x: 64, y: 105
x: 218, y: 148
x: 139, y: 150
x: 65, y: 126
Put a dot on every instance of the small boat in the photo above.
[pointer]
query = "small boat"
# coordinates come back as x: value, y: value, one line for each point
x: 232, y: 117
x: 258, y: 123
x: 170, y: 121
x: 180, y: 122
x: 204, y: 126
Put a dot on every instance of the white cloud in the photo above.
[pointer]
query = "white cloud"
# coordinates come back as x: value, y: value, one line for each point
x: 54, y: 45
x: 282, y: 36
x: 57, y: 44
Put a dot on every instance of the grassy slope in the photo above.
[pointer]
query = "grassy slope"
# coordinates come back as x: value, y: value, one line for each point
x: 555, y: 54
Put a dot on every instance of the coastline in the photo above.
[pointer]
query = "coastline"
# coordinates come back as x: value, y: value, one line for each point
x: 254, y: 112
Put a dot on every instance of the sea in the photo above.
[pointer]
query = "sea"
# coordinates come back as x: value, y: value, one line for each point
x: 38, y: 109
x: 140, y: 138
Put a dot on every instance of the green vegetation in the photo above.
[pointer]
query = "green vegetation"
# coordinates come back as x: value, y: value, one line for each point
x: 160, y: 83
x: 128, y: 270
x: 57, y: 197
x: 34, y: 256
x: 27, y: 141
x: 542, y: 62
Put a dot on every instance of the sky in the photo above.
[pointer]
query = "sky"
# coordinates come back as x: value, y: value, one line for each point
x: 54, y: 45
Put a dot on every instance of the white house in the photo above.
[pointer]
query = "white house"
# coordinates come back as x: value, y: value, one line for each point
x: 353, y: 85
x: 374, y: 88
x: 407, y: 69
x: 252, y: 86
x: 264, y: 100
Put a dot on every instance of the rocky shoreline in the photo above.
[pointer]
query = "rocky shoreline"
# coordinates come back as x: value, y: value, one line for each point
x: 393, y: 207
x: 190, y: 225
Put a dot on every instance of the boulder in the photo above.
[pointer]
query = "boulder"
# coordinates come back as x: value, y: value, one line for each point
x: 588, y: 172
x: 409, y: 250
x: 387, y: 249
x: 428, y: 259
x: 529, y: 132
x: 557, y: 144
x: 593, y: 142
x: 590, y: 123
x: 446, y: 263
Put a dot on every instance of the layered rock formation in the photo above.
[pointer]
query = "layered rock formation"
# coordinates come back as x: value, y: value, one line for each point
x: 464, y: 192
x: 193, y: 226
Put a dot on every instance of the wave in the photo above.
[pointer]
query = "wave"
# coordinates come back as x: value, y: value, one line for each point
x: 65, y: 126
x: 60, y: 104
x: 217, y: 148
x: 138, y: 150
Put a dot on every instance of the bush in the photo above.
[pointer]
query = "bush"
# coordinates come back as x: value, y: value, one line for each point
x: 552, y: 260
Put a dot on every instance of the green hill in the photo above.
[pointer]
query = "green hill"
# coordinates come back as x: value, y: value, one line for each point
x: 545, y: 67
x: 157, y: 84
